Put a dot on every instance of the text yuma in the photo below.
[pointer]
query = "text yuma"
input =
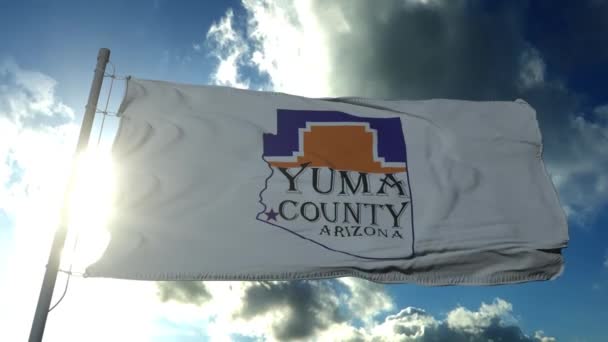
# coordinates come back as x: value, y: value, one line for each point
x: 356, y: 202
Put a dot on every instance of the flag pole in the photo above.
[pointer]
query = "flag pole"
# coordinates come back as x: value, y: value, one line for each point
x: 50, y: 275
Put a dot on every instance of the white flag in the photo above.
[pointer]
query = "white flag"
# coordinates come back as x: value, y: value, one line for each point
x: 225, y: 184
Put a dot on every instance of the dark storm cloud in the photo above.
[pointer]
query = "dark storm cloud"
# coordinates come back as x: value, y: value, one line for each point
x: 459, y: 49
x: 309, y: 306
x: 449, y: 49
x: 453, y: 49
x: 187, y: 292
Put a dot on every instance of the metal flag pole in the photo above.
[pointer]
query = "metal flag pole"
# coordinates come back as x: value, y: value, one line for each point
x: 50, y: 275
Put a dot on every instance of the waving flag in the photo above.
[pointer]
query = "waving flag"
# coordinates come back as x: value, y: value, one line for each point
x: 224, y: 184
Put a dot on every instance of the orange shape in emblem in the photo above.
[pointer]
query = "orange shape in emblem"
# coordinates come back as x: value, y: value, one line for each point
x: 349, y: 148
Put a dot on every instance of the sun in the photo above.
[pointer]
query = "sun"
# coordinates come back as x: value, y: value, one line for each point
x: 90, y: 208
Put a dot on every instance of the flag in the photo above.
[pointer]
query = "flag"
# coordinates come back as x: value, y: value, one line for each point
x: 216, y: 183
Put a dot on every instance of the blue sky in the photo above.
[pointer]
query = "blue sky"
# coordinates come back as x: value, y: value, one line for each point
x: 553, y: 56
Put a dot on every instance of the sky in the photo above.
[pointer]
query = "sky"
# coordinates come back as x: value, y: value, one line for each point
x: 552, y: 54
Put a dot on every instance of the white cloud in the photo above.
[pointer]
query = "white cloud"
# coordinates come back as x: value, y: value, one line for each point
x: 582, y: 177
x: 230, y: 49
x: 28, y: 96
x: 365, y: 298
x: 35, y: 128
x: 532, y: 72
x: 408, y: 325
x: 291, y: 46
x: 491, y: 322
x: 282, y: 40
x: 38, y: 136
x: 602, y: 111
x: 474, y: 322
x: 540, y: 337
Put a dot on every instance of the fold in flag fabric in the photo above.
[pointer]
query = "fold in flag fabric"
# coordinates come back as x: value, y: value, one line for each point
x: 216, y: 183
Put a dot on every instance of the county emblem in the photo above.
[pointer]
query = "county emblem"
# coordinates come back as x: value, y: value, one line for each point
x: 340, y: 181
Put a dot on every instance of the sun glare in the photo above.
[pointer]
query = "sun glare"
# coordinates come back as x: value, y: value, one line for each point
x: 90, y: 208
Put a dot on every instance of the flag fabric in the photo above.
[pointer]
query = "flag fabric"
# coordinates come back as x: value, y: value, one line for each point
x: 216, y: 183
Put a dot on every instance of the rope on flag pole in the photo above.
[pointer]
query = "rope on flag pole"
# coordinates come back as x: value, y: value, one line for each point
x: 68, y: 272
x: 112, y: 76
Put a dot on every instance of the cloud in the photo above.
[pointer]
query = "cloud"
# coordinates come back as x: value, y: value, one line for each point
x: 305, y: 307
x: 410, y: 323
x: 579, y: 165
x: 336, y: 310
x: 425, y: 49
x: 601, y: 112
x: 230, y: 49
x: 27, y: 98
x: 540, y: 337
x: 475, y: 322
x: 365, y: 298
x: 35, y: 127
x: 491, y: 322
x: 187, y: 292
x: 532, y: 69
